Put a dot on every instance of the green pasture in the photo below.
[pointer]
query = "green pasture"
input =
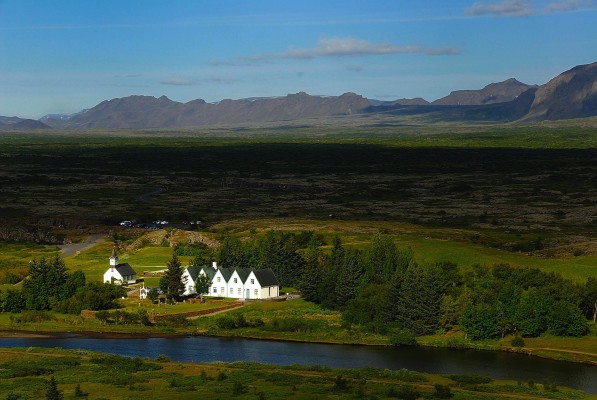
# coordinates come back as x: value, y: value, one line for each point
x: 95, y: 261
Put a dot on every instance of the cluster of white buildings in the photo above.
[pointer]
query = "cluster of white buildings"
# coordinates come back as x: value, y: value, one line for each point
x: 235, y: 283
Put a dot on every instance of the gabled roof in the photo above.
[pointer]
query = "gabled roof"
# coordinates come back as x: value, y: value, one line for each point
x: 243, y: 273
x: 266, y: 277
x: 193, y: 271
x: 226, y: 273
x: 210, y: 272
x: 125, y: 269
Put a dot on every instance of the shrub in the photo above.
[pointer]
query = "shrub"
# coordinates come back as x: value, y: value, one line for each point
x: 517, y: 341
x: 239, y: 388
x: 341, y: 384
x: 293, y: 324
x: 403, y: 337
x: 471, y: 379
x: 404, y: 392
x: 162, y: 358
x: 442, y: 392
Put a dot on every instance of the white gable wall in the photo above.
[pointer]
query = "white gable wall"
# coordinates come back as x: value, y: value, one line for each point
x: 219, y: 286
x: 236, y: 287
x: 252, y: 287
x: 189, y: 284
x: 112, y: 275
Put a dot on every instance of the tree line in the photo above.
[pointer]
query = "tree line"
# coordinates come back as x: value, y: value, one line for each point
x: 50, y: 286
x: 382, y: 288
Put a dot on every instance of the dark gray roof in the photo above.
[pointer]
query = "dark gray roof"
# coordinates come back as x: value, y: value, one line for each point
x: 193, y: 271
x: 266, y: 277
x: 125, y: 269
x: 210, y: 272
x: 226, y: 273
x: 243, y: 273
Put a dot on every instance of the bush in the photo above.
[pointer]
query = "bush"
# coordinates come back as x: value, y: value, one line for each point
x: 517, y: 341
x: 237, y: 321
x: 442, y: 392
x: 403, y: 337
x: 162, y: 358
x: 293, y: 324
x: 404, y: 392
x: 469, y: 379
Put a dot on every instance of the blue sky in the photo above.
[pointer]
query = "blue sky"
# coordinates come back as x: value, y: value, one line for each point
x: 59, y: 56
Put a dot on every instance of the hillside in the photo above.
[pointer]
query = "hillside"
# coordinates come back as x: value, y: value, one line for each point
x: 18, y: 124
x: 572, y: 94
x: 500, y: 92
x: 151, y: 112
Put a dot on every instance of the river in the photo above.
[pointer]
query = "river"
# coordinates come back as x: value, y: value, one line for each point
x: 498, y: 365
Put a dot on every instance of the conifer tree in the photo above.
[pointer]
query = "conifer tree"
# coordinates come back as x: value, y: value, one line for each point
x: 52, y: 393
x: 171, y: 283
x: 349, y: 278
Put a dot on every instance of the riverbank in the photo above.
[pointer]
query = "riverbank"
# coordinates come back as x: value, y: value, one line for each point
x: 291, y: 321
x: 82, y: 371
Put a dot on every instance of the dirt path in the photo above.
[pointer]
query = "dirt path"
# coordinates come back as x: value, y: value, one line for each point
x: 216, y: 311
x: 72, y: 248
x: 144, y: 198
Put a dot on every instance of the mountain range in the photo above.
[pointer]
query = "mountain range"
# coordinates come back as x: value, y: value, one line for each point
x: 572, y: 94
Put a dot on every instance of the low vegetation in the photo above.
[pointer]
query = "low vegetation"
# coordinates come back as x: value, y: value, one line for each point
x: 34, y: 373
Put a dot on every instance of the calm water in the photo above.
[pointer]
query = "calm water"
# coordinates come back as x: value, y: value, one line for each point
x: 443, y: 361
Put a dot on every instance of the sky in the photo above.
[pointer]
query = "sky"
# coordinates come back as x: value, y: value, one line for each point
x: 62, y: 56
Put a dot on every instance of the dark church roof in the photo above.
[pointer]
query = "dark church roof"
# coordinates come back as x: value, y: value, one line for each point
x: 125, y: 269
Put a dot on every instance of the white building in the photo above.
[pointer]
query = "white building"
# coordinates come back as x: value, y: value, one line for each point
x: 119, y: 273
x: 234, y: 283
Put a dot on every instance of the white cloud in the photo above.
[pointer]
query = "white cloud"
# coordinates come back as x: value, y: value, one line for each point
x: 568, y: 5
x: 519, y: 8
x: 178, y: 81
x: 507, y: 8
x: 338, y: 47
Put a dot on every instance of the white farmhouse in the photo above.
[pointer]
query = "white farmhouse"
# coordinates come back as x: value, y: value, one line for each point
x: 119, y: 273
x: 234, y: 283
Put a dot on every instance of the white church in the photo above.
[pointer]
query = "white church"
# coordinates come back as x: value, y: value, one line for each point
x: 121, y: 274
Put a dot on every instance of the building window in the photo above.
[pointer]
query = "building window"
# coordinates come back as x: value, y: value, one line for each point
x: 235, y: 280
x: 231, y: 291
x: 240, y: 291
x: 218, y: 279
x: 256, y: 291
x: 215, y: 290
x: 252, y: 281
x: 222, y: 291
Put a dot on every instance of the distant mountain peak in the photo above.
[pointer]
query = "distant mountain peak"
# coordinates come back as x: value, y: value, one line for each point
x: 572, y: 94
x: 499, y: 92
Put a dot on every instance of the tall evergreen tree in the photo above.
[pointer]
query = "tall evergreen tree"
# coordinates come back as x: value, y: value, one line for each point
x: 311, y: 275
x: 382, y: 259
x: 418, y: 301
x: 278, y: 251
x: 171, y: 282
x: 52, y: 393
x: 45, y: 283
x: 232, y: 254
x: 349, y: 278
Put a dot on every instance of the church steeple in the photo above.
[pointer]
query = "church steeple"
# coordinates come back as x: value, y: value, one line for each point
x: 113, y: 258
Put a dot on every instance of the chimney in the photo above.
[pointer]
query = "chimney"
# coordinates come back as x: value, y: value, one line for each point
x: 214, y: 265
